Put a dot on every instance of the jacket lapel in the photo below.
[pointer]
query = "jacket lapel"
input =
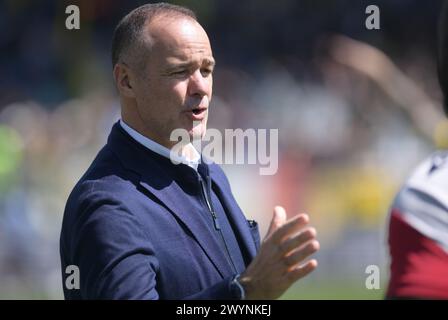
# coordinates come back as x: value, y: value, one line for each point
x: 160, y: 184
x: 174, y: 198
x: 235, y: 215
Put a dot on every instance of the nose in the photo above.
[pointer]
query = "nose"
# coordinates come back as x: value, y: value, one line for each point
x: 198, y: 85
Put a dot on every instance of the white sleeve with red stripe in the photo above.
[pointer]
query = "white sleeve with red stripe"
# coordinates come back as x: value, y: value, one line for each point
x: 423, y: 201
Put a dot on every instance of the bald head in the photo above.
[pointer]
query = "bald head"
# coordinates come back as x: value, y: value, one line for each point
x: 131, y: 41
x: 175, y: 39
x: 164, y: 78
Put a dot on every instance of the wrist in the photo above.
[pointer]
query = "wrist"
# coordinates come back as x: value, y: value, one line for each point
x: 247, y: 285
x: 237, y: 289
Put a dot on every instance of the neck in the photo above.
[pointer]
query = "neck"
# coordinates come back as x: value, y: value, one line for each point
x: 136, y: 123
x: 188, y: 152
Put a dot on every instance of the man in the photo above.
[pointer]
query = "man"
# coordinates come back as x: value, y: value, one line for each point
x: 418, y: 226
x: 139, y: 226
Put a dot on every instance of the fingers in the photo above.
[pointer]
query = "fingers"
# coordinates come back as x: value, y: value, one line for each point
x: 281, y: 259
x: 302, y: 253
x: 301, y: 271
x: 278, y: 219
x: 297, y: 240
x: 289, y: 227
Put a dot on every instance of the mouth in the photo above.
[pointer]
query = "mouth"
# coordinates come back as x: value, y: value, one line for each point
x: 197, y: 113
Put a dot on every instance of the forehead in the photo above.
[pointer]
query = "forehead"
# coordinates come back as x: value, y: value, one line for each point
x: 179, y: 39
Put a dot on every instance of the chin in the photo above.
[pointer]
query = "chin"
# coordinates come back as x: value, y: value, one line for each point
x: 197, y: 132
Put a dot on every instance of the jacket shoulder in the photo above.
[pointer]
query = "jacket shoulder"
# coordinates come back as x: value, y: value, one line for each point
x: 105, y: 184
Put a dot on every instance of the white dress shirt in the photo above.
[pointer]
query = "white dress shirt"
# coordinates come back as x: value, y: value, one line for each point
x: 161, y: 150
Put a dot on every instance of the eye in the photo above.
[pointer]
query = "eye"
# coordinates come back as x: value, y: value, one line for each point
x: 180, y: 72
x: 206, y: 72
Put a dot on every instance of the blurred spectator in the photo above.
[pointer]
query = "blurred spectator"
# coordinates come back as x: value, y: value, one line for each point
x: 418, y: 226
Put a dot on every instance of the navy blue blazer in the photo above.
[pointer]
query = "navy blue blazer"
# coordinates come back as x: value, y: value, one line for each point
x: 133, y: 231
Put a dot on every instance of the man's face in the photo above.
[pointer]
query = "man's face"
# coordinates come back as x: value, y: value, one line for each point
x: 175, y: 88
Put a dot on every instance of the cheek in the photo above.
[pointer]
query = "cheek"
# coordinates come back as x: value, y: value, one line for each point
x: 178, y: 91
x: 145, y: 90
x: 165, y: 95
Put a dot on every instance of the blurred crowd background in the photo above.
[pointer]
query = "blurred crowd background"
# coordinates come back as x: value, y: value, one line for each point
x: 356, y: 110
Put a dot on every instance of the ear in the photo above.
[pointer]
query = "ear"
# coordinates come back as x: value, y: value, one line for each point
x: 124, y: 79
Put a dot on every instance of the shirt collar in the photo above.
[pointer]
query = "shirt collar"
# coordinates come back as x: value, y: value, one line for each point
x: 161, y: 150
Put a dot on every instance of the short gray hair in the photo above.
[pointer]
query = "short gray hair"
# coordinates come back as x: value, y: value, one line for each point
x: 128, y: 34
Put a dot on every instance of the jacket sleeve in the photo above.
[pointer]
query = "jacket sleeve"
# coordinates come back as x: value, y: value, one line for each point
x: 115, y: 257
x: 113, y: 254
x: 219, y: 291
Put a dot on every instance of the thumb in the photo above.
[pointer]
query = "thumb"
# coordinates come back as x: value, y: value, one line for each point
x: 278, y: 219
